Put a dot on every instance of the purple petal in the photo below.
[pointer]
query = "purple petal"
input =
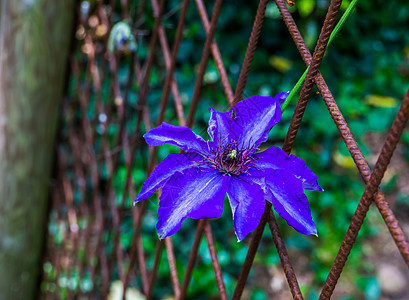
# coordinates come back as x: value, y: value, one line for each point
x: 281, y: 97
x: 165, y: 169
x: 276, y: 159
x: 247, y: 204
x: 222, y: 127
x: 254, y: 117
x: 195, y: 194
x: 257, y: 177
x: 289, y: 200
x: 180, y: 136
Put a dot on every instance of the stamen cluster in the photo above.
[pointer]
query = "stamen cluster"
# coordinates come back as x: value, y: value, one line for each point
x: 231, y: 159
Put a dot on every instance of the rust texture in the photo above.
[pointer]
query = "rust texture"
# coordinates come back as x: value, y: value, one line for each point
x: 285, y: 261
x: 215, y: 262
x: 317, y: 57
x: 192, y: 258
x: 251, y: 48
x: 216, y: 54
x: 172, y: 266
x: 203, y: 61
x: 171, y: 69
x: 251, y: 253
x: 346, y: 134
x: 382, y: 163
x: 86, y: 153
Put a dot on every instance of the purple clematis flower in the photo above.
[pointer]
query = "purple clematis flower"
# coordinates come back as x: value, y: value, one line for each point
x: 194, y: 183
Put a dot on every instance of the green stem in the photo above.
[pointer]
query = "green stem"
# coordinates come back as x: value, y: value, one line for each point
x: 294, y: 90
x: 340, y: 23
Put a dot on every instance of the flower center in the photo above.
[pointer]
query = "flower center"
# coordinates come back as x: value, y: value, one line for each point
x: 230, y: 159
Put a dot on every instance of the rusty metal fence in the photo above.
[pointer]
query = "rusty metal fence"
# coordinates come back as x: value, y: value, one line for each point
x: 89, y: 157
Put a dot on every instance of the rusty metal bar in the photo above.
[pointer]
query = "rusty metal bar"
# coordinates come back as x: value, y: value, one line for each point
x: 203, y: 62
x: 149, y: 62
x: 382, y: 163
x: 172, y: 267
x: 294, y: 32
x: 152, y: 277
x: 251, y: 253
x: 166, y: 55
x: 251, y: 48
x: 141, y: 9
x: 383, y: 206
x: 171, y: 70
x: 285, y: 261
x: 319, y: 51
x: 142, y: 263
x: 134, y: 253
x: 74, y: 144
x: 215, y: 261
x: 93, y: 166
x: 140, y: 115
x: 80, y: 176
x: 72, y: 237
x: 192, y: 259
x: 111, y: 161
x: 216, y: 54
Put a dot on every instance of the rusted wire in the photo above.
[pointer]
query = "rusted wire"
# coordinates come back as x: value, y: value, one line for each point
x: 251, y: 253
x: 285, y: 261
x: 346, y: 134
x: 203, y: 62
x: 192, y: 258
x: 72, y: 236
x: 149, y: 62
x: 152, y: 278
x: 172, y: 267
x: 215, y: 262
x: 171, y: 70
x: 174, y: 87
x: 216, y: 54
x: 75, y: 145
x: 158, y: 11
x: 251, y: 48
x: 371, y: 188
x: 317, y: 57
x: 90, y: 160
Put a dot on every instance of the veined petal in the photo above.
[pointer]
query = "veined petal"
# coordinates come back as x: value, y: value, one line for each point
x: 175, y: 162
x: 222, y: 127
x: 180, y: 136
x: 254, y: 117
x: 247, y: 204
x: 276, y: 159
x: 257, y: 177
x: 289, y: 200
x: 195, y: 194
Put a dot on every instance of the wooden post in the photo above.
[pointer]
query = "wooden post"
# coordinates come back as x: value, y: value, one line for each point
x: 34, y: 44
